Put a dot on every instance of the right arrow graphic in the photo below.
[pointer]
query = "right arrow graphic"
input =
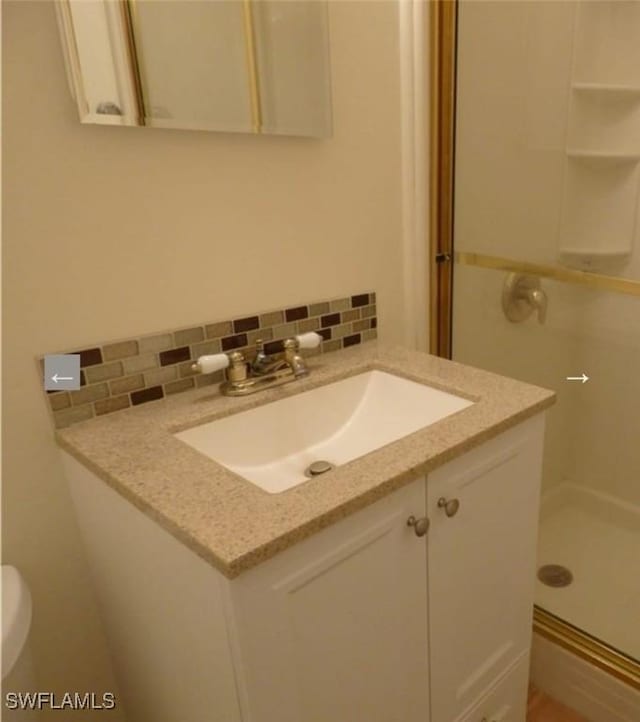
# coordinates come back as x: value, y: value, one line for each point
x: 584, y: 378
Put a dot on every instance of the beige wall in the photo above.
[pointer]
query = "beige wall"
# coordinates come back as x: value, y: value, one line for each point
x: 111, y: 232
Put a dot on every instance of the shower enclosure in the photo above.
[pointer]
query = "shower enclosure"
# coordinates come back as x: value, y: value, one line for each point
x: 544, y: 260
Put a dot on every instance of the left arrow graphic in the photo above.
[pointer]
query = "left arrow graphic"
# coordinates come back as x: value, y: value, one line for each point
x: 55, y: 378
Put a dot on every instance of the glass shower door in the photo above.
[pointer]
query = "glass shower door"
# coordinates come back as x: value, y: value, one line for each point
x: 546, y: 281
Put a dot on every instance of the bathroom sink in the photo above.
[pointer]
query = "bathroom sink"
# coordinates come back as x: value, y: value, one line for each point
x: 274, y: 446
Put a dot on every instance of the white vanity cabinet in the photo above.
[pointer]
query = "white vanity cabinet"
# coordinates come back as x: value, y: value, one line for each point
x: 335, y: 628
x: 481, y: 574
x: 364, y: 620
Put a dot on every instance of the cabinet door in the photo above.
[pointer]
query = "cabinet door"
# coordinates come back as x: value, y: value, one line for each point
x: 482, y: 566
x: 335, y: 628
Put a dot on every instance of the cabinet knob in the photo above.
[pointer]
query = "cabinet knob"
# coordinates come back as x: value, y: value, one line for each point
x: 450, y: 506
x: 420, y: 526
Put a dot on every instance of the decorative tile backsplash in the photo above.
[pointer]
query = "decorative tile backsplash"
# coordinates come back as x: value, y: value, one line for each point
x: 117, y: 375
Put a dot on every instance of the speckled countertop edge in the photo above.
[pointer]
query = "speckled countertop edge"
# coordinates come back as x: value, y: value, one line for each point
x: 233, y: 524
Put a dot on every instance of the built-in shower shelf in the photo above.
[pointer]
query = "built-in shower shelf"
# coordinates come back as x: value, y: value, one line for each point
x: 602, y: 157
x: 622, y: 92
x: 591, y: 258
x: 592, y: 252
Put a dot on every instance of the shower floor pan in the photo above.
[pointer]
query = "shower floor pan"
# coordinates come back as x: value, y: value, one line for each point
x: 597, y: 537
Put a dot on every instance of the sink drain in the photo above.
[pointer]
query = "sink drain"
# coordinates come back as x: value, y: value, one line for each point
x: 317, y: 468
x: 555, y: 575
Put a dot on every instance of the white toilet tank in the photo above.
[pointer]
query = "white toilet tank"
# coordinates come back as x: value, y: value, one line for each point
x: 17, y: 671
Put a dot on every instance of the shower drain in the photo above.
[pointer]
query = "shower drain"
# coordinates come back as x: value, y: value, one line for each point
x: 555, y: 575
x: 317, y: 468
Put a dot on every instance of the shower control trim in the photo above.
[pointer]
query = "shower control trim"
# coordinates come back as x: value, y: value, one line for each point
x: 521, y: 296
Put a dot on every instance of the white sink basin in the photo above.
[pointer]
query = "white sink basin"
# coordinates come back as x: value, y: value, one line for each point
x: 272, y: 445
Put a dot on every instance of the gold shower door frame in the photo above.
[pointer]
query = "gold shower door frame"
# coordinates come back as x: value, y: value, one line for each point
x: 443, y: 23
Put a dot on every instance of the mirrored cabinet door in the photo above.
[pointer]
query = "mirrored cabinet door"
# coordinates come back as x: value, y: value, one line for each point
x: 248, y: 66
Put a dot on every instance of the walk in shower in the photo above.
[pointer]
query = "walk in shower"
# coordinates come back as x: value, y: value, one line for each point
x: 546, y: 274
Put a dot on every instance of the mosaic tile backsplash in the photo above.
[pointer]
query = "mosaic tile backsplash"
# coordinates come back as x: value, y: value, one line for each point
x: 118, y: 375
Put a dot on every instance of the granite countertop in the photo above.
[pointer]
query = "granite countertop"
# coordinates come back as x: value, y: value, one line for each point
x: 233, y: 524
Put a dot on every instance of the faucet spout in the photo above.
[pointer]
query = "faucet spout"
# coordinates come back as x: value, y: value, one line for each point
x: 264, y: 364
x: 294, y: 359
x: 264, y: 371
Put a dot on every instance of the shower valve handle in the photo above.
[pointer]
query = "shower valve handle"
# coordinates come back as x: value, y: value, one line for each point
x: 521, y: 296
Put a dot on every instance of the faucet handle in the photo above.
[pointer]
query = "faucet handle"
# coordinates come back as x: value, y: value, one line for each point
x: 293, y: 345
x: 308, y: 340
x: 538, y: 299
x: 210, y: 363
x: 234, y: 361
x: 237, y: 367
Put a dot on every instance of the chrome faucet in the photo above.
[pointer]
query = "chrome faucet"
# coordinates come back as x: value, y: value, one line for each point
x: 264, y: 371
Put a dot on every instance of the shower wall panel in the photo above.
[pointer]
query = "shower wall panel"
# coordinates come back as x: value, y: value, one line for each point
x: 514, y: 63
x: 517, y: 65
